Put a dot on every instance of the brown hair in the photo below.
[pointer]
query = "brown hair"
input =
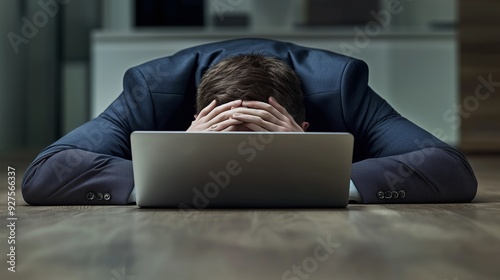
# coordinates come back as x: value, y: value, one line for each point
x: 252, y: 77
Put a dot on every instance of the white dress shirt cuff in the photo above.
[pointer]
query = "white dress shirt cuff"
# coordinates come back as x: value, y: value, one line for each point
x: 354, y: 195
x: 131, y: 197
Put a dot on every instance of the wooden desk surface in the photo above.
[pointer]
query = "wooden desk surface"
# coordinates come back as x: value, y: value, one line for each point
x: 452, y: 241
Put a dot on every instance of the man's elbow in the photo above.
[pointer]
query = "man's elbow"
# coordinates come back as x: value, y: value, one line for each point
x: 461, y: 181
x: 468, y: 187
x: 32, y: 186
x: 40, y: 181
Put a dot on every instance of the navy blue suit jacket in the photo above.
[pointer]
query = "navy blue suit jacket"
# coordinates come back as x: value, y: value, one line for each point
x: 394, y: 160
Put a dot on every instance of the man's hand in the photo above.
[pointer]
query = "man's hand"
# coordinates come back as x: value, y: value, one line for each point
x: 246, y: 115
x: 261, y: 116
x: 216, y: 118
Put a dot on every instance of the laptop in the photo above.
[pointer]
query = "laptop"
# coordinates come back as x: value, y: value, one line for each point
x: 201, y: 170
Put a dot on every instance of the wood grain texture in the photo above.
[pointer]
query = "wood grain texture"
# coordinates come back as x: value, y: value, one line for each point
x: 409, y: 241
x: 480, y: 57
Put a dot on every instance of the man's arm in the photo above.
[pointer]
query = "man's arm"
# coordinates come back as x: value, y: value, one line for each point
x: 395, y: 160
x: 92, y: 164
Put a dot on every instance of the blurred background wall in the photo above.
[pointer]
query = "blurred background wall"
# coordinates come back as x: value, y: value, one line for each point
x: 44, y: 69
x: 12, y: 99
x: 53, y: 67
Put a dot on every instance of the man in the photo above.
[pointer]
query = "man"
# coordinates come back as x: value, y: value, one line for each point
x: 246, y: 83
x: 394, y: 161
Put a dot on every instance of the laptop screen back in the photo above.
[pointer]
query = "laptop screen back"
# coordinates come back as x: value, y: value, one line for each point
x: 241, y: 169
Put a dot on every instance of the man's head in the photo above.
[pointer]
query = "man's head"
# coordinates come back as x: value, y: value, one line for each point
x: 252, y: 77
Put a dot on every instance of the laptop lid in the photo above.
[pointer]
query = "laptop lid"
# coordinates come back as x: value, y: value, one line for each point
x: 241, y: 169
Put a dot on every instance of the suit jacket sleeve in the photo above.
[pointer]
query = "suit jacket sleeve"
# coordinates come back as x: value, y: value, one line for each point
x: 395, y: 160
x: 92, y: 164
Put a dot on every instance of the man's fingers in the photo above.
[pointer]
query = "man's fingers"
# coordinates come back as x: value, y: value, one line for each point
x: 211, y: 119
x: 254, y: 127
x: 279, y: 107
x: 221, y: 108
x: 206, y: 110
x: 224, y: 125
x: 256, y: 120
x: 231, y: 128
x: 213, y: 110
x: 254, y: 115
x: 265, y: 107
